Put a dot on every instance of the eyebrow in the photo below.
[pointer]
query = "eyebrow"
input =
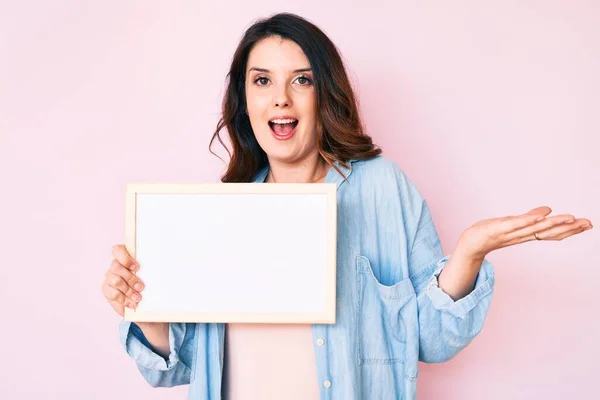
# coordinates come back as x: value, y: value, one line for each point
x: 267, y: 71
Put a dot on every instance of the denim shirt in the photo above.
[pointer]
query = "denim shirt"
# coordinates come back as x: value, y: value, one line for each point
x: 390, y: 313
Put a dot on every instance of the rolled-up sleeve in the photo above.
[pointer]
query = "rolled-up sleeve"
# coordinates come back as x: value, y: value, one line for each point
x: 447, y: 326
x: 484, y: 285
x: 158, y: 371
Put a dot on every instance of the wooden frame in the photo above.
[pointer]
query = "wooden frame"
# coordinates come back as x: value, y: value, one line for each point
x: 308, y: 298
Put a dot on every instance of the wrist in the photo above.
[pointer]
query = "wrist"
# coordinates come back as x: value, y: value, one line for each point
x: 469, y: 252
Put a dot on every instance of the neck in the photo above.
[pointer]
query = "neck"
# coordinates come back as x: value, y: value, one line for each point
x: 312, y: 169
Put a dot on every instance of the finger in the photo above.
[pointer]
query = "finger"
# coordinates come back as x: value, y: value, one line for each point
x: 550, y: 234
x: 547, y: 223
x: 116, y: 297
x: 121, y: 254
x: 563, y: 231
x: 119, y: 283
x: 567, y: 234
x: 512, y: 224
x: 539, y: 213
x: 132, y: 280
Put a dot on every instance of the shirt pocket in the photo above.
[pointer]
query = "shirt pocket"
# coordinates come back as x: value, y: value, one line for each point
x: 387, y: 327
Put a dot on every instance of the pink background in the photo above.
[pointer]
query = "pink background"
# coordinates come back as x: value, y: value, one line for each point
x: 491, y: 107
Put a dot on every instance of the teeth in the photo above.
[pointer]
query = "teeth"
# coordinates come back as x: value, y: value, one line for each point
x: 283, y: 121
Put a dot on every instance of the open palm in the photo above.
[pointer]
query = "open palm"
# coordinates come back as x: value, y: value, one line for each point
x: 495, y: 233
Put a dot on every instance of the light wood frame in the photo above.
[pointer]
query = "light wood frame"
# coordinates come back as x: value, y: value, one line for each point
x: 328, y: 189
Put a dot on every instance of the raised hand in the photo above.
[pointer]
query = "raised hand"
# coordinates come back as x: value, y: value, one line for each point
x: 495, y: 233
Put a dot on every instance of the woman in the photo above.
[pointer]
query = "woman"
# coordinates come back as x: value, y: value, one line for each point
x: 292, y: 117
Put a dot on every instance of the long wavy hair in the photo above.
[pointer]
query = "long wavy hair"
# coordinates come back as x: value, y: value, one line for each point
x: 340, y: 133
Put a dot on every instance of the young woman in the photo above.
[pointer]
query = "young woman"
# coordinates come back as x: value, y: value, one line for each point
x: 291, y: 116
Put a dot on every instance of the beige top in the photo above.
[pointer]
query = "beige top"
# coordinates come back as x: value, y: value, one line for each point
x: 269, y: 362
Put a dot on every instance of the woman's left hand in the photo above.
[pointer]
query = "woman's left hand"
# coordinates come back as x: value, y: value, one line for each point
x: 495, y: 233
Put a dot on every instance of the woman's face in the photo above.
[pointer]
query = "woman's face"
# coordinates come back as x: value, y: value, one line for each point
x: 281, y: 100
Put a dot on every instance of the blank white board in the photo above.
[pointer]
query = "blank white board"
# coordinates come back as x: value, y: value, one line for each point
x: 234, y: 252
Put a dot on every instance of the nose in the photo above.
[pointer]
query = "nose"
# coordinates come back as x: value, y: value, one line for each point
x: 281, y: 96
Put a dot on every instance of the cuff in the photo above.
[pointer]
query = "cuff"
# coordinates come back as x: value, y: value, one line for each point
x: 484, y: 285
x: 138, y: 348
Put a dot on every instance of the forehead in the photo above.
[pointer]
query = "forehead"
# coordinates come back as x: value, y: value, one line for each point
x: 275, y: 53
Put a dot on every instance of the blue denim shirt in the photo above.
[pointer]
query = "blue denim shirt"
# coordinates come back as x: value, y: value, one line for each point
x: 390, y: 312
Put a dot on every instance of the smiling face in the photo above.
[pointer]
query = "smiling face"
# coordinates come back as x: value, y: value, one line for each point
x: 281, y: 100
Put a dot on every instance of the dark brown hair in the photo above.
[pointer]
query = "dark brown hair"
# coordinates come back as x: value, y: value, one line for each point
x: 340, y: 132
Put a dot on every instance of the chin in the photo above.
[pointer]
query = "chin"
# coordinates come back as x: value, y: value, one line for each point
x: 282, y: 155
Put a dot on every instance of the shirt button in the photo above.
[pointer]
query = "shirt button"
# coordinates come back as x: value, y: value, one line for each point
x: 320, y: 341
x: 327, y: 384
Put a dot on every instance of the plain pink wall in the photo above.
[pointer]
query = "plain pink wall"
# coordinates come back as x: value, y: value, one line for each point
x: 491, y: 107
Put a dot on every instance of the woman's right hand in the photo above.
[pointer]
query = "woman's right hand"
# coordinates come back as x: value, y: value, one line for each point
x: 121, y: 287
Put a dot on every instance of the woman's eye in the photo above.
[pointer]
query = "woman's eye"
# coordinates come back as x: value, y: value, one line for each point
x: 262, y: 81
x: 303, y: 80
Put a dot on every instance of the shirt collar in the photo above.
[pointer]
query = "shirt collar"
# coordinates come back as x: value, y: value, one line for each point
x: 333, y: 176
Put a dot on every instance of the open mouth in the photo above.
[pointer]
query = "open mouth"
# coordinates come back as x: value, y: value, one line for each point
x: 283, y: 127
